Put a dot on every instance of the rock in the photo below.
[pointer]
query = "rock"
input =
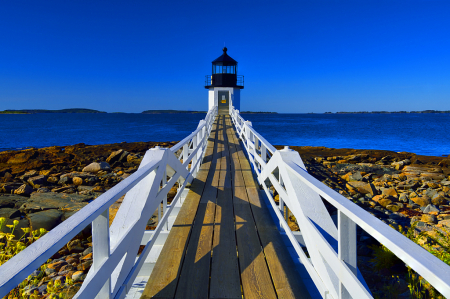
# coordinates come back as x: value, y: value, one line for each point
x: 403, y: 197
x: 47, y: 219
x: 393, y: 208
x: 65, y: 189
x: 9, y: 213
x: 37, y: 180
x: 10, y: 187
x: 6, y: 202
x: 428, y: 218
x: 87, y: 257
x: 422, y: 201
x: 431, y: 208
x: 438, y: 200
x: 98, y: 189
x: 52, y: 200
x: 87, y: 251
x: 77, y: 181
x: 134, y: 159
x: 96, y: 167
x: 56, y: 265
x: 43, y: 190
x: 85, y: 266
x: 445, y: 222
x: 79, y: 275
x: 23, y: 156
x: 385, y: 202
x: 65, y: 180
x: 389, y: 192
x: 28, y: 175
x: 24, y: 190
x: 117, y: 156
x: 362, y: 187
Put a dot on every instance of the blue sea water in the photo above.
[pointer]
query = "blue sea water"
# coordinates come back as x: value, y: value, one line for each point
x: 425, y: 134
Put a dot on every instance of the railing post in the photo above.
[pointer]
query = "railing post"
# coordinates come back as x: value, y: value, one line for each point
x: 101, y: 248
x: 346, y: 248
x: 263, y: 153
x: 185, y: 152
x: 164, y: 182
x: 194, y: 159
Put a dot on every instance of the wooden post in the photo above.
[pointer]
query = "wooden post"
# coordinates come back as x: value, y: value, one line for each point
x: 346, y: 248
x: 101, y: 248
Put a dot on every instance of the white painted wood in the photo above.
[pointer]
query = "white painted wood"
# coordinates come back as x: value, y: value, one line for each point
x: 100, y: 248
x: 346, y: 248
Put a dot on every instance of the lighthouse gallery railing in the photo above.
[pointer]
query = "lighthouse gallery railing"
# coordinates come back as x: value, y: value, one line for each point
x: 332, y: 261
x: 115, y: 248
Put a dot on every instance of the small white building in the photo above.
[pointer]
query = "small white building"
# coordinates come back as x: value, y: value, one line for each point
x: 224, y: 85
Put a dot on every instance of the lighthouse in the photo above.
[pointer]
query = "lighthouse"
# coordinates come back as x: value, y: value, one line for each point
x: 224, y: 84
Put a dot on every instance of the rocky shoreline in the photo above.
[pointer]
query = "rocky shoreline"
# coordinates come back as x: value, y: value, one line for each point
x: 40, y: 188
x: 408, y: 192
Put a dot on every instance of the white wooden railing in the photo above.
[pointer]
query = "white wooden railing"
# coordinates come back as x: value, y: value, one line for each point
x: 115, y: 248
x: 332, y: 250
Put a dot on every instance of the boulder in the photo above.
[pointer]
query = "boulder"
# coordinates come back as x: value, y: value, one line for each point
x: 422, y: 201
x: 389, y: 192
x: 24, y: 190
x: 12, y: 201
x: 9, y: 213
x: 385, y: 202
x: 428, y: 218
x: 362, y: 187
x: 438, y: 200
x: 117, y: 156
x: 10, y: 187
x: 28, y: 174
x: 393, y: 208
x: 47, y: 219
x: 96, y: 167
x: 65, y: 180
x: 52, y: 200
x: 37, y: 180
x: 431, y: 208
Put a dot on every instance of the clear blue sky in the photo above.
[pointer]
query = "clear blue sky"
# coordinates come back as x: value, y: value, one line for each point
x: 296, y: 56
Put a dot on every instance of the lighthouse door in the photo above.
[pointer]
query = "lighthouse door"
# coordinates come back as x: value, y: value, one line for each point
x: 224, y: 102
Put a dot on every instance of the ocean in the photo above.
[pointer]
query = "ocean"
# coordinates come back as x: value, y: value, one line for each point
x: 424, y: 134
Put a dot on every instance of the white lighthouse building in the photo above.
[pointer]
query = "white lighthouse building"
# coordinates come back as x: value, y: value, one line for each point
x: 224, y: 85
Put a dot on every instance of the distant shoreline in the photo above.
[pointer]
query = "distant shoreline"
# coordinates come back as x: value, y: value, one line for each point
x: 387, y: 112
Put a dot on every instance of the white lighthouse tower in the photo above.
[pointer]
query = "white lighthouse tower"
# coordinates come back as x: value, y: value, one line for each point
x: 224, y: 85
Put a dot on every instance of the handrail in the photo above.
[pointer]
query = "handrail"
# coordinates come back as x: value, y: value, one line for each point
x: 115, y: 248
x: 332, y: 262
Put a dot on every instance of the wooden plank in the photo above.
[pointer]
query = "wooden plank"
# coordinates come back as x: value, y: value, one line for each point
x: 225, y: 281
x: 195, y: 273
x: 255, y: 277
x: 164, y: 278
x: 286, y: 280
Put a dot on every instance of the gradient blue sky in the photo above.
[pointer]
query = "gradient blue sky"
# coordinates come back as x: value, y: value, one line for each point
x: 296, y: 56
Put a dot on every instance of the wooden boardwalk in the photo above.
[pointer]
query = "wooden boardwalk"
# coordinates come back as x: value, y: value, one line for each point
x: 224, y: 243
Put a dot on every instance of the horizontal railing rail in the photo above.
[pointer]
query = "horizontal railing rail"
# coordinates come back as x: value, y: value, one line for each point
x: 332, y: 261
x: 115, y: 247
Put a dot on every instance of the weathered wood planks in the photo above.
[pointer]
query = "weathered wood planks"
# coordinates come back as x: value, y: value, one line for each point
x: 224, y: 243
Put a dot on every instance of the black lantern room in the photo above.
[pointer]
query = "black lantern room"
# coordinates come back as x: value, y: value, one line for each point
x: 224, y: 73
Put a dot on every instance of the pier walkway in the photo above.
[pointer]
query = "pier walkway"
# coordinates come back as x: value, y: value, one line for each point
x: 224, y: 244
